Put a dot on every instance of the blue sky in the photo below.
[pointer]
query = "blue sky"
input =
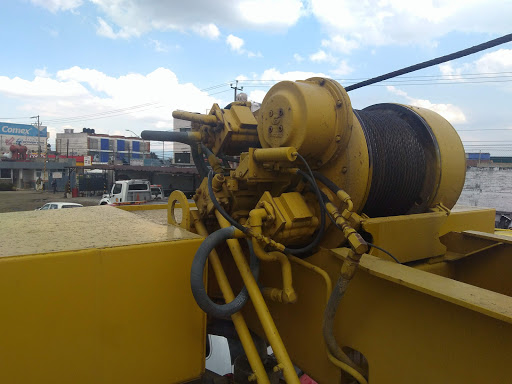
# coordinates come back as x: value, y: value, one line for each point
x: 114, y: 65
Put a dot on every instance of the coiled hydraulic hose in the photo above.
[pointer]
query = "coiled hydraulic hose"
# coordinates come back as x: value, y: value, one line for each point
x: 197, y: 280
x: 328, y: 323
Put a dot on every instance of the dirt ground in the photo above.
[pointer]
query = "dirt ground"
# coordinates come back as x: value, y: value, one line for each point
x: 13, y: 201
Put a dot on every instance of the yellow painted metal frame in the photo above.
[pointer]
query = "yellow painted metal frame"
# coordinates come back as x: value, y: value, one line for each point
x: 111, y: 315
x: 412, y: 326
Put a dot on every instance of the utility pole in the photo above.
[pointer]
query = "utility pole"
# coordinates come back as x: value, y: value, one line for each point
x: 236, y: 88
x: 163, y: 146
x: 38, y: 135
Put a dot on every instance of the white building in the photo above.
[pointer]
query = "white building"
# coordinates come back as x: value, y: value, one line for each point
x: 102, y: 148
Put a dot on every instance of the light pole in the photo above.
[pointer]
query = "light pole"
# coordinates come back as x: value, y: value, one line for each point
x: 38, y: 135
x: 143, y: 142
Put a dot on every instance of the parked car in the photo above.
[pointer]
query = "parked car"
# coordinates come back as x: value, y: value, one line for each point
x: 58, y: 205
x: 156, y: 192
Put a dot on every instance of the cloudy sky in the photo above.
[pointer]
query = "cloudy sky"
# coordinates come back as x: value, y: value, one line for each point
x: 115, y: 65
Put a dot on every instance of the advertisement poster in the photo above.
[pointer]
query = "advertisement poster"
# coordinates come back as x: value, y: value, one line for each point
x: 21, y: 134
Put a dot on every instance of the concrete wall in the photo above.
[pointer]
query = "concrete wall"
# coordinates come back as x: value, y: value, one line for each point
x: 488, y: 187
x: 77, y: 144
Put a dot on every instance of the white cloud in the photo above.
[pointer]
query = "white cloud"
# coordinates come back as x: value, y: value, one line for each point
x: 80, y: 91
x: 497, y: 61
x: 141, y: 16
x: 41, y: 73
x: 342, y: 69
x: 58, y: 5
x: 352, y: 23
x: 321, y: 57
x: 274, y: 74
x: 271, y: 13
x: 449, y: 72
x: 207, y: 30
x: 450, y: 112
x: 158, y: 45
x: 235, y: 43
x: 40, y: 87
x: 489, y: 66
x: 104, y: 29
x: 254, y: 54
x: 341, y: 66
x: 340, y: 44
x: 298, y: 57
x: 256, y: 96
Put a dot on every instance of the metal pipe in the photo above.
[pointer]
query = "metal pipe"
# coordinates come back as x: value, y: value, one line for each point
x: 345, y: 367
x: 328, y: 289
x: 285, y: 154
x: 189, y: 138
x: 287, y: 294
x: 261, y: 308
x: 195, y: 117
x: 237, y: 318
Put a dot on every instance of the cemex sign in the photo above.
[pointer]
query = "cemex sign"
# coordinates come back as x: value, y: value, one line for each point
x: 22, y: 134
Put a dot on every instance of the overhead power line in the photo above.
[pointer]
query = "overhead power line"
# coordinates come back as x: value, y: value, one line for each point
x: 484, y: 130
x: 436, y: 61
x: 15, y: 118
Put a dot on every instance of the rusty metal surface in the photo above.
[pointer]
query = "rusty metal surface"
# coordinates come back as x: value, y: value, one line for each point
x: 36, y: 232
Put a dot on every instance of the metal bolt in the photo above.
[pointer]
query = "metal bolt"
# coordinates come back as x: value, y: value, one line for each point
x: 270, y: 113
x: 270, y: 129
x: 339, y: 103
x: 280, y: 128
x: 281, y: 112
x: 252, y: 377
x: 321, y: 82
x: 338, y: 138
x: 277, y: 368
x: 344, y: 170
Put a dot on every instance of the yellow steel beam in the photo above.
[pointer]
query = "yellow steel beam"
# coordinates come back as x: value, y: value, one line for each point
x: 237, y: 318
x: 111, y: 315
x: 262, y: 312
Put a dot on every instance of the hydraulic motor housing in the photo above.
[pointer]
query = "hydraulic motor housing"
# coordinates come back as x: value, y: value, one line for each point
x: 392, y: 159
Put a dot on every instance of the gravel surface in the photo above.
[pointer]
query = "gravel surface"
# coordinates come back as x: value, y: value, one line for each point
x: 13, y: 201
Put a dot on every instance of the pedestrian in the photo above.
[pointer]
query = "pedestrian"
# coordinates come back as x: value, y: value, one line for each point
x: 54, y: 186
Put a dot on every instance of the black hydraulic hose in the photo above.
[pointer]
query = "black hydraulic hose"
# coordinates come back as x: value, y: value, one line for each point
x: 326, y: 181
x: 197, y: 270
x: 328, y: 322
x: 219, y: 208
x: 429, y: 63
x: 198, y: 158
